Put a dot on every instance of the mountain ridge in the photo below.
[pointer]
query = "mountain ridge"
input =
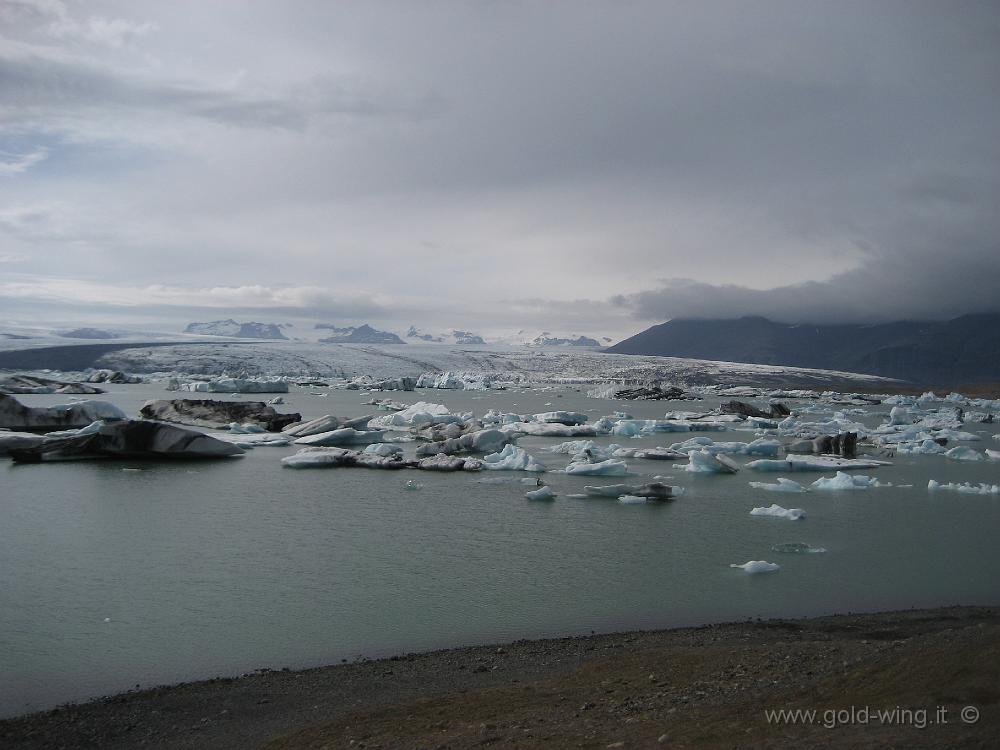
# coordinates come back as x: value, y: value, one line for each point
x: 961, y: 350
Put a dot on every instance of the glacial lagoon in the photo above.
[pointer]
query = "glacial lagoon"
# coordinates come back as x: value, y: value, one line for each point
x: 115, y: 574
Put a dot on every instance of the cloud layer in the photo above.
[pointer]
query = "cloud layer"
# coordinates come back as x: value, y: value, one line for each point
x: 502, y: 164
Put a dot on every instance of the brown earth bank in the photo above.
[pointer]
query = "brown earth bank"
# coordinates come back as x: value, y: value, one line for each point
x: 934, y: 673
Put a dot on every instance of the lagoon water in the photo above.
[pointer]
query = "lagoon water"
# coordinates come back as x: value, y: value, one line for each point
x: 118, y: 574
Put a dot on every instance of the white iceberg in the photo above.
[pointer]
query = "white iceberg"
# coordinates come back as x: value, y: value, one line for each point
x: 965, y: 488
x: 512, y: 458
x: 383, y: 449
x: 542, y: 493
x: 610, y: 468
x: 964, y: 453
x: 782, y: 485
x: 776, y: 511
x: 757, y: 566
x: 844, y: 481
x: 705, y: 462
x: 343, y: 436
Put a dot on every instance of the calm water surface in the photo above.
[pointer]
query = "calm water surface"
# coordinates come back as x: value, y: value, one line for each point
x: 112, y: 577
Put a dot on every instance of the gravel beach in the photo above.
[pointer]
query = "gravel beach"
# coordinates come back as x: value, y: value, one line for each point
x: 934, y: 675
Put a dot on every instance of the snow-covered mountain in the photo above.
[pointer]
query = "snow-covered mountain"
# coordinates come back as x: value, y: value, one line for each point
x: 547, y: 338
x: 238, y: 330
x: 363, y: 334
x: 451, y: 337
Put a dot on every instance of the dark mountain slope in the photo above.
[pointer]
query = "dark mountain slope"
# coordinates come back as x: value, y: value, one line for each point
x: 963, y: 350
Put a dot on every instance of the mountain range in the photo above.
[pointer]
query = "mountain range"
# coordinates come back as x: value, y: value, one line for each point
x: 962, y: 350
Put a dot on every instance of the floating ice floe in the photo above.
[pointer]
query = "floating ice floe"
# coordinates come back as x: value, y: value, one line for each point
x: 560, y: 417
x: 341, y: 437
x: 542, y: 493
x: 992, y: 455
x: 610, y: 468
x: 420, y: 413
x: 760, y: 447
x: 814, y: 463
x: 964, y: 453
x: 246, y: 428
x: 512, y: 458
x: 547, y: 429
x: 924, y: 448
x: 776, y: 511
x: 757, y: 566
x: 481, y: 441
x: 633, y: 500
x: 17, y: 440
x: 782, y: 485
x: 796, y: 548
x: 237, y: 385
x: 965, y: 488
x: 844, y: 481
x: 326, y: 423
x: 705, y: 462
x: 649, y: 491
x: 15, y: 415
x: 383, y: 449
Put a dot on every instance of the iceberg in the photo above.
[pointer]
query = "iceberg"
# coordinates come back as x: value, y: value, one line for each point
x: 776, y: 511
x: 237, y: 385
x: 326, y: 423
x: 383, y: 449
x: 512, y: 458
x: 964, y: 453
x: 796, y: 548
x: 705, y: 462
x: 546, y: 429
x: 965, y: 488
x: 482, y: 441
x: 610, y: 468
x: 15, y: 415
x: 420, y: 413
x: 17, y: 440
x: 217, y: 414
x: 542, y: 493
x: 844, y: 481
x: 782, y: 485
x: 814, y: 463
x: 560, y: 417
x: 134, y: 439
x: 757, y: 566
x: 343, y: 436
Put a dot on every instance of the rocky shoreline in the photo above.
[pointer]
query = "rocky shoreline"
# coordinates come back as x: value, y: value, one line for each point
x: 707, y: 686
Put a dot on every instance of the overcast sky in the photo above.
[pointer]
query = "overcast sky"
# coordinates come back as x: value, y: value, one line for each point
x: 587, y: 167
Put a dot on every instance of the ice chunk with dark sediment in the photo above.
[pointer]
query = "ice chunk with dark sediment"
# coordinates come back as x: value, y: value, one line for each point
x: 814, y: 463
x: 15, y: 415
x: 796, y: 548
x: 341, y: 437
x: 134, y: 439
x: 781, y: 485
x: 326, y: 423
x: 845, y: 481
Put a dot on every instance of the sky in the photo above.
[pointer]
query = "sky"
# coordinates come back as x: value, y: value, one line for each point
x: 579, y: 167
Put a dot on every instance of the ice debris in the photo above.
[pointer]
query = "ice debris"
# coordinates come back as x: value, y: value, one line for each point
x: 782, y: 485
x: 776, y: 511
x: 757, y: 566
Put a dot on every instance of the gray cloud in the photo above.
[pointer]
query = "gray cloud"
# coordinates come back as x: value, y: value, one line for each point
x: 799, y: 160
